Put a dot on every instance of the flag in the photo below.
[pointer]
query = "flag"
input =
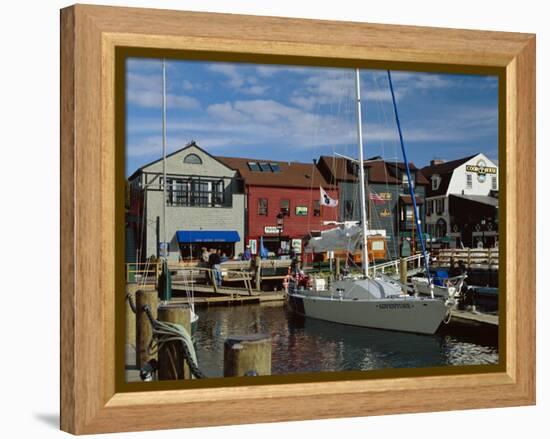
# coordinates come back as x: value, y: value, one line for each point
x: 373, y: 196
x: 326, y: 200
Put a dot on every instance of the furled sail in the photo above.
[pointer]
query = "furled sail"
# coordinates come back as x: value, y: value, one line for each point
x: 345, y: 237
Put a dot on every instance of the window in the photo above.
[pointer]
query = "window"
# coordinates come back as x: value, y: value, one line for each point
x: 195, y: 192
x: 494, y: 183
x: 285, y: 207
x: 428, y: 207
x: 253, y: 166
x: 192, y: 159
x: 275, y: 167
x: 265, y: 167
x: 440, y: 206
x: 301, y: 211
x: 262, y: 206
x: 469, y: 181
x: 405, y: 179
x: 348, y: 209
x: 436, y: 180
x: 316, y: 208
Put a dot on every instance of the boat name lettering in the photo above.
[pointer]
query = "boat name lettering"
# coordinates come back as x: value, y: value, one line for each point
x: 395, y: 305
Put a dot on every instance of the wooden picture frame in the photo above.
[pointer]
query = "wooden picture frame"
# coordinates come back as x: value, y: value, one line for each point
x: 90, y: 37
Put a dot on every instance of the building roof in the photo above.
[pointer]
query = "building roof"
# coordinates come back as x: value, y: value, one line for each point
x: 379, y: 171
x: 483, y: 199
x: 445, y: 171
x: 189, y: 145
x: 289, y: 174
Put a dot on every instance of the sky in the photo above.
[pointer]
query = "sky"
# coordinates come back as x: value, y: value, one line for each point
x: 292, y: 113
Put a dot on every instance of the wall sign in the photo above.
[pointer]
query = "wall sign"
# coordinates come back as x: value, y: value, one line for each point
x: 271, y: 230
x: 481, y: 169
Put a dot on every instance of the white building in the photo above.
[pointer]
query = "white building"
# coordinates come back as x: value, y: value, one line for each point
x: 462, y: 201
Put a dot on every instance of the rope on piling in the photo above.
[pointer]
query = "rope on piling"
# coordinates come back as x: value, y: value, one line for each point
x: 164, y: 332
x: 130, y: 300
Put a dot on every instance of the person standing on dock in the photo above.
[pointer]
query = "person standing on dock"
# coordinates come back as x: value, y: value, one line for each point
x: 205, y: 255
x: 214, y: 262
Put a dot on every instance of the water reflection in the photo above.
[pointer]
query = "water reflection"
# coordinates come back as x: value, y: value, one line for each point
x: 309, y: 345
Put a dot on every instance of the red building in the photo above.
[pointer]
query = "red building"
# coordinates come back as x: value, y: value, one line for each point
x: 282, y: 202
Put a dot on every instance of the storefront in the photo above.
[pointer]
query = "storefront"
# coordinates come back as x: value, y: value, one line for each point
x: 191, y: 242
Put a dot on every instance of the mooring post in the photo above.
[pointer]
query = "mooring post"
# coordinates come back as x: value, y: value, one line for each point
x: 144, y: 330
x: 172, y: 365
x: 403, y: 272
x: 258, y: 272
x: 337, y: 267
x: 247, y: 355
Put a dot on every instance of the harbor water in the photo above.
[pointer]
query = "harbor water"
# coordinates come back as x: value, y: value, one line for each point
x: 308, y: 345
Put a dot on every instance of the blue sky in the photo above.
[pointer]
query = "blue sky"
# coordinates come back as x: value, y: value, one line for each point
x: 298, y: 113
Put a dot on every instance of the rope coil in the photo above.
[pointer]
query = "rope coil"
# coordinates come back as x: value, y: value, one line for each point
x: 130, y: 300
x: 165, y: 332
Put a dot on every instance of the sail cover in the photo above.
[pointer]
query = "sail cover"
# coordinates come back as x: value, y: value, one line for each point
x: 346, y: 237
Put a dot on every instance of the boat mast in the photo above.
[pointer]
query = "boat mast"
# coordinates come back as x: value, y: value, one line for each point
x: 365, y: 256
x: 164, y: 246
x: 416, y: 217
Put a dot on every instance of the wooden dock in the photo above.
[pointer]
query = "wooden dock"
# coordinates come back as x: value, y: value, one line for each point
x: 234, y: 299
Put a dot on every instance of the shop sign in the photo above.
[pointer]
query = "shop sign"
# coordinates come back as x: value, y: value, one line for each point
x: 271, y: 230
x: 385, y: 213
x: 385, y: 195
x: 481, y: 169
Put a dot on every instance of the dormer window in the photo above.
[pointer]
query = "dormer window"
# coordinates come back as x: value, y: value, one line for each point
x: 436, y: 181
x: 192, y: 159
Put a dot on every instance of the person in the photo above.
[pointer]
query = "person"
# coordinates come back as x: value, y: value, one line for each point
x: 214, y: 262
x: 224, y: 257
x: 204, y: 255
x: 247, y: 255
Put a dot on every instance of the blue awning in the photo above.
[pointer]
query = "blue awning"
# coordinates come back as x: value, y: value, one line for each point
x: 185, y: 236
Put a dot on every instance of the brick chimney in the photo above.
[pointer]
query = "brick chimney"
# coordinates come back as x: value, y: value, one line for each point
x: 436, y: 162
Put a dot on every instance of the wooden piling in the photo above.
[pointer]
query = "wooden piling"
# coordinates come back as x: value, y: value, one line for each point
x: 144, y: 330
x: 247, y: 355
x: 172, y: 365
x: 258, y: 272
x: 403, y: 271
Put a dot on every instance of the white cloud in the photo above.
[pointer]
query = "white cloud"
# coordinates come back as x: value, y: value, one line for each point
x: 237, y: 80
x: 145, y: 90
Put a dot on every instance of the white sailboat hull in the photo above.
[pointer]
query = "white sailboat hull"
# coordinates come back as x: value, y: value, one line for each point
x: 408, y: 314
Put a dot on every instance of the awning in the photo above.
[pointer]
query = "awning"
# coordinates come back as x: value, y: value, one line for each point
x: 408, y: 200
x: 186, y: 236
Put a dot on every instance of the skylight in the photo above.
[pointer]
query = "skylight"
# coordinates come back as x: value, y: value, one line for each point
x: 253, y: 166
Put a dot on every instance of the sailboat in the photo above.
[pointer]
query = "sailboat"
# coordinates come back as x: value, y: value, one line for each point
x: 369, y: 301
x: 165, y: 280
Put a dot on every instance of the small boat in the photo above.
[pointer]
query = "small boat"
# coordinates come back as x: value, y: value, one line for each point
x: 374, y: 302
x: 444, y: 288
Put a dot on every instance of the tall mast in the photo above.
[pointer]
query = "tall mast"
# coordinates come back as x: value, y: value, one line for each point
x: 416, y: 217
x: 164, y: 246
x: 365, y: 257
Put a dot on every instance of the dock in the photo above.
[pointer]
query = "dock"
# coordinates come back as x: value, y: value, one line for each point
x: 472, y: 323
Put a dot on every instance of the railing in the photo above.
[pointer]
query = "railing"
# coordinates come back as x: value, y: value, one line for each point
x: 148, y: 273
x: 414, y: 262
x: 471, y: 257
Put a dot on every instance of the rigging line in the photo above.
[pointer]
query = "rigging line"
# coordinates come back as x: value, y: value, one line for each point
x: 382, y: 141
x: 411, y: 187
x: 164, y: 156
